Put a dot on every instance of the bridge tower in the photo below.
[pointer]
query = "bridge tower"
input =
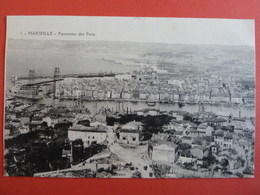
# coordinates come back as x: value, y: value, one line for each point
x: 34, y: 89
x: 56, y: 76
x: 201, y: 107
x: 31, y: 76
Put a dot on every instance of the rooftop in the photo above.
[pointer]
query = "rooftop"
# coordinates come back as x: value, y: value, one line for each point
x: 147, y: 110
x: 129, y: 131
x: 219, y: 133
x: 202, y: 126
x: 79, y: 127
x: 158, y: 142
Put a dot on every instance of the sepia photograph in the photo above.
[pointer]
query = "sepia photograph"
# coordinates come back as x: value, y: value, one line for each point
x: 129, y: 97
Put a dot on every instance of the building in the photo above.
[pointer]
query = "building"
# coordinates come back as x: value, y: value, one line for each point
x: 223, y: 139
x: 36, y: 125
x: 87, y: 134
x: 163, y: 152
x: 133, y: 125
x: 202, y: 129
x: 186, y: 157
x: 10, y: 115
x: 179, y: 115
x: 51, y: 120
x: 199, y: 153
x: 186, y: 140
x: 126, y: 95
x: 26, y: 117
x: 129, y: 137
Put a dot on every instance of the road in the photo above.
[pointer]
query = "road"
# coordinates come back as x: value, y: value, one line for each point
x: 134, y: 155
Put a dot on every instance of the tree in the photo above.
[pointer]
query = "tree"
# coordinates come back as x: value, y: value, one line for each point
x: 210, y: 159
x: 184, y: 146
x: 137, y: 174
x: 224, y: 163
x: 84, y: 122
x: 77, y: 150
x: 248, y: 170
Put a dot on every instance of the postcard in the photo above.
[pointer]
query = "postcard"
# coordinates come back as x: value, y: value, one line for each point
x: 129, y: 97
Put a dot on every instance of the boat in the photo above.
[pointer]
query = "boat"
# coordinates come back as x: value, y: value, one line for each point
x: 151, y: 103
x: 134, y: 101
x: 181, y: 104
x: 29, y: 97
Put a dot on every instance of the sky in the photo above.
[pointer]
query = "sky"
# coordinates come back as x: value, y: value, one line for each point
x: 136, y: 29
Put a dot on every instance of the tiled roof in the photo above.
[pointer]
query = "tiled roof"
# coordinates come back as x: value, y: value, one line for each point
x: 219, y: 133
x: 79, y: 127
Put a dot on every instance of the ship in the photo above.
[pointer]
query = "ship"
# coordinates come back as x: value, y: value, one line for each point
x: 29, y: 97
x: 181, y: 104
x: 192, y: 103
x: 151, y: 103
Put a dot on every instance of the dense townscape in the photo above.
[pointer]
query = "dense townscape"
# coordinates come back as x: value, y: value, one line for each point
x: 67, y: 128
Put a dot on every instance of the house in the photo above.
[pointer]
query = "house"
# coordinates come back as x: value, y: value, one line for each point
x: 126, y: 95
x: 209, y: 131
x: 199, y: 153
x: 218, y: 137
x: 10, y: 115
x: 216, y: 121
x: 191, y: 125
x: 144, y: 96
x: 100, y: 94
x: 163, y: 152
x: 16, y: 122
x: 173, y: 125
x: 186, y: 157
x: 135, y: 94
x: 228, y: 140
x: 97, y: 124
x: 223, y: 139
x: 67, y: 154
x: 23, y: 129
x: 187, y: 140
x: 238, y: 130
x: 26, y: 117
x: 175, y: 82
x: 178, y: 134
x: 48, y: 120
x: 178, y: 115
x: 34, y: 126
x: 237, y: 100
x: 165, y: 96
x: 193, y: 133
x: 8, y: 129
x: 108, y: 94
x: 160, y: 136
x: 37, y: 118
x: 202, y: 129
x: 115, y: 94
x: 51, y: 120
x: 168, y: 127
x: 129, y: 137
x: 197, y: 141
x: 134, y: 125
x: 88, y: 135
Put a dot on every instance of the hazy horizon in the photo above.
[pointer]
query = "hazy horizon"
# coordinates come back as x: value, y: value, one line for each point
x: 95, y: 56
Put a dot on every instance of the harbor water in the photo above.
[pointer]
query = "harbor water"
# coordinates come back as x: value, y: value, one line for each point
x: 119, y: 106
